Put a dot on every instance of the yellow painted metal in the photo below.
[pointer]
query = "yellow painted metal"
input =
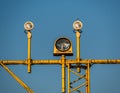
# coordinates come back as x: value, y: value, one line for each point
x: 77, y: 74
x: 68, y: 61
x: 88, y: 78
x: 46, y: 62
x: 78, y: 45
x: 74, y: 89
x: 93, y: 61
x: 14, y: 62
x: 64, y: 62
x: 79, y: 77
x: 63, y: 74
x: 88, y: 69
x: 68, y: 78
x: 17, y: 78
x: 109, y: 61
x: 78, y: 49
x: 86, y: 81
x: 29, y: 36
x: 29, y: 65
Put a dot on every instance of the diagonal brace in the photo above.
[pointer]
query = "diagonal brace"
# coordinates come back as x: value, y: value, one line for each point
x: 17, y: 78
x: 81, y: 76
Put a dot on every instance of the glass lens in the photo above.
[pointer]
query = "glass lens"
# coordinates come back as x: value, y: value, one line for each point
x: 63, y: 44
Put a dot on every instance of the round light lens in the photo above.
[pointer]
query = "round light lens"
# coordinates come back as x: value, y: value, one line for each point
x: 77, y: 25
x: 28, y: 25
x: 63, y: 44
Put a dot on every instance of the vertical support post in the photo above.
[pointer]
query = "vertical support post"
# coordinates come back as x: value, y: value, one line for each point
x: 28, y: 27
x: 78, y: 49
x: 88, y: 78
x: 63, y: 74
x: 29, y: 36
x: 77, y: 45
x: 68, y: 78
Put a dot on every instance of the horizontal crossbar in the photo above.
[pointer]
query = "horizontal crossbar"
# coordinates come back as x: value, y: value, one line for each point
x: 67, y: 61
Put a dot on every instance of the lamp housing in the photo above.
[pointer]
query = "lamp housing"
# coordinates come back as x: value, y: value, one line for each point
x: 63, y: 46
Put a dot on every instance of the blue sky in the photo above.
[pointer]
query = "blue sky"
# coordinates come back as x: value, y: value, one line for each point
x: 52, y: 19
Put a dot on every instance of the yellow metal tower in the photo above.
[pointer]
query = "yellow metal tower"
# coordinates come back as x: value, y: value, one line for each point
x: 63, y: 48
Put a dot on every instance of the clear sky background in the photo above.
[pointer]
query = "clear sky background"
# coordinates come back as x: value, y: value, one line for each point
x: 52, y: 19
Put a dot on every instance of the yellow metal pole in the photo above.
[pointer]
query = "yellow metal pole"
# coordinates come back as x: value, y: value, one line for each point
x: 88, y: 78
x: 86, y: 81
x: 17, y: 79
x: 78, y: 49
x: 63, y: 75
x: 78, y: 45
x: 29, y: 36
x: 68, y: 78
